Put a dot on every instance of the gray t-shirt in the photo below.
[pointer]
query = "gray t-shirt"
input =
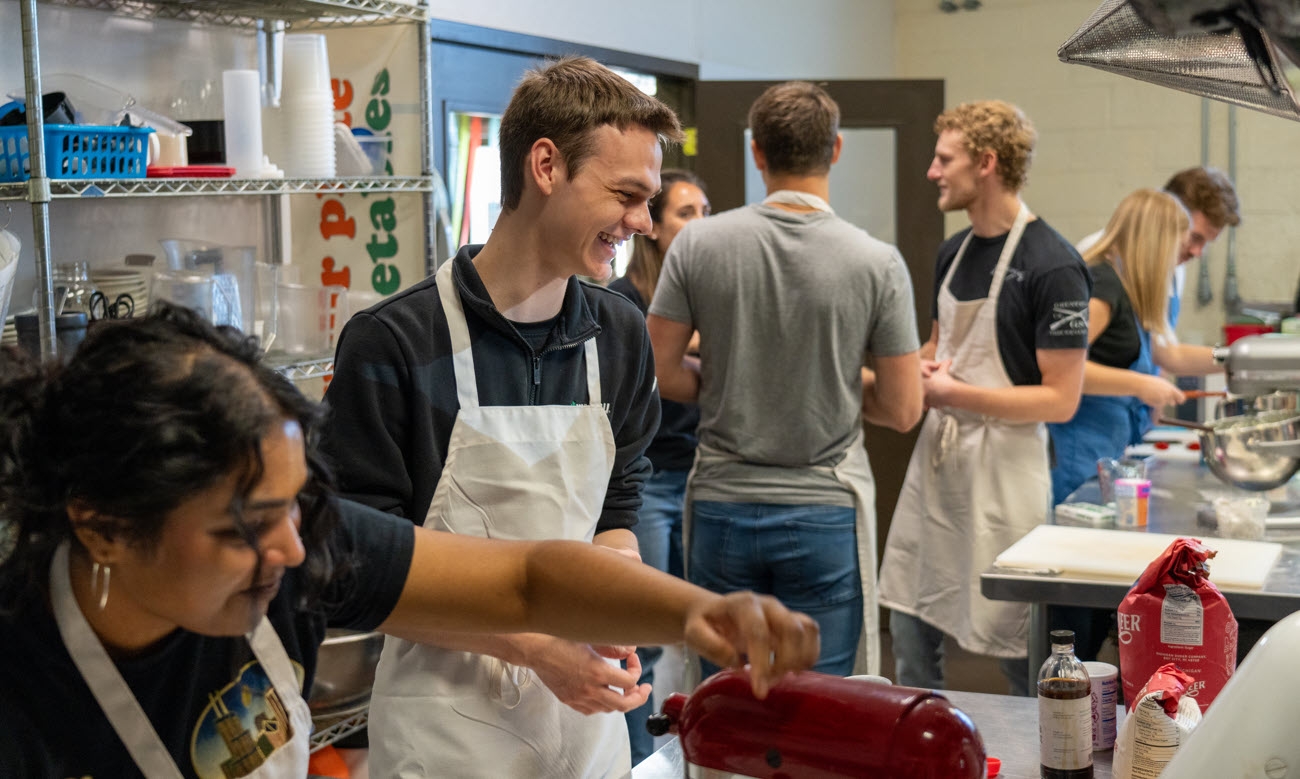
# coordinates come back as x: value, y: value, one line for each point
x: 787, y: 305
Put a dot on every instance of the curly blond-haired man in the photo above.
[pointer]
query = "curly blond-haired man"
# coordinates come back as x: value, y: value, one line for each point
x: 1005, y: 355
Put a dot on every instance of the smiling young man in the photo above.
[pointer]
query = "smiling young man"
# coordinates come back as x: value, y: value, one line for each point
x: 505, y: 398
x: 1006, y: 354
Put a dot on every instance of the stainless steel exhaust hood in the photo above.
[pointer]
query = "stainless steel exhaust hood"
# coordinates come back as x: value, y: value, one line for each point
x: 1239, y: 51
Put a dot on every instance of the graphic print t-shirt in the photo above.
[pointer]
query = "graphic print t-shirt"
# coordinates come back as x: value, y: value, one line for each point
x: 207, y: 698
x: 1044, y: 300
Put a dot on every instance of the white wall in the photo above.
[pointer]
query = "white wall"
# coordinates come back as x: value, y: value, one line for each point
x: 1102, y: 136
x: 729, y: 39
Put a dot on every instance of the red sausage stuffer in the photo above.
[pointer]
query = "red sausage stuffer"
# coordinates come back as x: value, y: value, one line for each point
x: 815, y: 726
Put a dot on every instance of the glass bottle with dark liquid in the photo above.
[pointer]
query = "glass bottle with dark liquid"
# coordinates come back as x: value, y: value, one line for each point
x: 1064, y: 713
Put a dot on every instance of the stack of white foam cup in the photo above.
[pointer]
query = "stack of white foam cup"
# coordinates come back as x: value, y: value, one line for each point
x: 307, y: 108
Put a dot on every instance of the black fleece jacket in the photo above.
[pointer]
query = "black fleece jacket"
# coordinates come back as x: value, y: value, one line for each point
x: 392, y: 401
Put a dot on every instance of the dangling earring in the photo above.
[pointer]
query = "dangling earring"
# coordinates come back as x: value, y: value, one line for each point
x: 98, y: 588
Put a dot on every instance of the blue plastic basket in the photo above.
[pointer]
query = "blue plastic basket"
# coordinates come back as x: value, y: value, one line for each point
x: 76, y: 151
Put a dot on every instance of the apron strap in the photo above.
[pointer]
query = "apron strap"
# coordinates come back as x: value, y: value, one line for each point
x: 462, y: 356
x: 593, y: 371
x: 115, y: 698
x: 791, y: 197
x: 269, y: 651
x: 1009, y: 249
x: 1004, y: 260
x: 462, y: 359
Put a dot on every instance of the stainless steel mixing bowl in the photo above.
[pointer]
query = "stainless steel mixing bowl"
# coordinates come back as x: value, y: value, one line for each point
x: 345, y: 671
x: 1230, y: 449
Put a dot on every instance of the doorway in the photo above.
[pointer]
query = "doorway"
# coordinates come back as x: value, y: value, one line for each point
x: 473, y: 72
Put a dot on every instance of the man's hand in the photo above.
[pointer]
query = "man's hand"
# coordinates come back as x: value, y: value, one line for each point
x: 937, y: 381
x: 732, y: 629
x: 581, y: 679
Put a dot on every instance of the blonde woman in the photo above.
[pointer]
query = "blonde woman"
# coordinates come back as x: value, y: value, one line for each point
x: 1131, y: 267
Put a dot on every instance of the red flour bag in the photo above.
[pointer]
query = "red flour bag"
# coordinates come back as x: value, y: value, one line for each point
x: 1174, y: 614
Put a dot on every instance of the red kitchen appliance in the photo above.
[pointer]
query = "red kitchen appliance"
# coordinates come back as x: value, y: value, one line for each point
x: 815, y: 726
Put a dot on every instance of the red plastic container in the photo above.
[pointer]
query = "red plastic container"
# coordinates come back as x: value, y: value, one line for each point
x: 1233, y: 332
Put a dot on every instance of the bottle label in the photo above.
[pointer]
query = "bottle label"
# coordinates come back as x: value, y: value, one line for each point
x: 1065, y: 732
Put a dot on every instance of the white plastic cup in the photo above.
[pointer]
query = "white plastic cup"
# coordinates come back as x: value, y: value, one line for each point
x: 242, y: 100
x: 1105, y: 691
x: 306, y: 63
x: 307, y: 133
x: 173, y: 150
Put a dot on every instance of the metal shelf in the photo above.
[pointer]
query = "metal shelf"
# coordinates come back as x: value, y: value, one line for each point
x: 300, y: 14
x: 78, y: 188
x: 303, y: 368
x: 339, y: 729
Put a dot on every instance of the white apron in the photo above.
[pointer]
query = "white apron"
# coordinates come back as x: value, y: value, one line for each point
x: 129, y: 720
x: 975, y: 485
x: 512, y: 472
x: 854, y: 472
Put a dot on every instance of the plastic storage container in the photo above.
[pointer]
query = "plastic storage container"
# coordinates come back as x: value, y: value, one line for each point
x: 77, y: 152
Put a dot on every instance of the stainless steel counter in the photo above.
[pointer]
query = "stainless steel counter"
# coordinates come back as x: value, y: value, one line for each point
x: 1178, y: 506
x: 1009, y: 727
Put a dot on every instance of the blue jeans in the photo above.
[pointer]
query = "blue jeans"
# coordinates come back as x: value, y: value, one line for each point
x: 918, y: 656
x: 658, y: 531
x: 806, y: 556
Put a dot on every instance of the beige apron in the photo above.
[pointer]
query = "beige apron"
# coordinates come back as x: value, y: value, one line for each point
x: 512, y: 472
x: 132, y: 725
x: 974, y: 486
x: 853, y: 471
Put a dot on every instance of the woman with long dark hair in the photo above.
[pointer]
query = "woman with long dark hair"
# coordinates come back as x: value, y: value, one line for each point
x: 171, y: 554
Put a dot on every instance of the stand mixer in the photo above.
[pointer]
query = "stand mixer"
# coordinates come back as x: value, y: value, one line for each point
x: 815, y: 726
x: 1258, y: 451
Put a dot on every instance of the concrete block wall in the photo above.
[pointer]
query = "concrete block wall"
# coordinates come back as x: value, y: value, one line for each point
x: 1102, y: 136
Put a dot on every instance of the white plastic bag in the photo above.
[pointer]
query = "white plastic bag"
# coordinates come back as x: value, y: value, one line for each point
x: 1163, y: 718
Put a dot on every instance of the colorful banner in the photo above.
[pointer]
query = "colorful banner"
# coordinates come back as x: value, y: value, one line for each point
x: 373, y: 242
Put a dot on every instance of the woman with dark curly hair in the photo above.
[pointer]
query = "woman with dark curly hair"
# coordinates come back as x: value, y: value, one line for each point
x: 171, y: 555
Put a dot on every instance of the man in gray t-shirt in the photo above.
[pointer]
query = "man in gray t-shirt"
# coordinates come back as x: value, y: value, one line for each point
x: 789, y: 300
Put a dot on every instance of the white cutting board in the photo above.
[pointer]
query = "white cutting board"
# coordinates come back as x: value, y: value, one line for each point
x: 1123, y: 555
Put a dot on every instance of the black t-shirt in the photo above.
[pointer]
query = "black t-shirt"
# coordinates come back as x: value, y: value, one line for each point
x: 1044, y: 300
x: 51, y: 727
x: 673, y: 447
x: 1120, y: 343
x: 536, y: 333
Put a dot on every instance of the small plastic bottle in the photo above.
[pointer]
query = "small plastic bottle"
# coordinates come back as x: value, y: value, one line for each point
x: 1064, y: 713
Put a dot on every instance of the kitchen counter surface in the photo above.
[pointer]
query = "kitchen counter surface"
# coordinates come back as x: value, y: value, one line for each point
x: 1009, y: 727
x: 1181, y: 489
